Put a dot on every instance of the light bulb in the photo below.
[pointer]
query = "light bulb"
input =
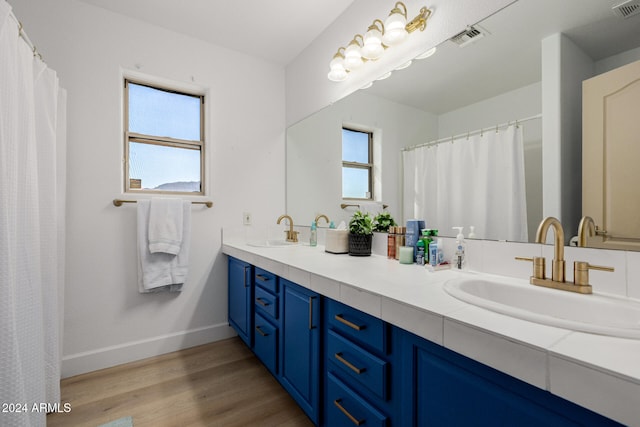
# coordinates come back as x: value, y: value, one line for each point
x: 338, y: 71
x: 372, y: 48
x: 352, y: 56
x: 394, y: 28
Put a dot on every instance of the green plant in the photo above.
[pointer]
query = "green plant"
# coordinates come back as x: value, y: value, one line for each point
x: 361, y: 223
x: 383, y: 221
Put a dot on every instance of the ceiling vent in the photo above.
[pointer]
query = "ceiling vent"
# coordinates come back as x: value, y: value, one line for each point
x: 627, y: 8
x: 470, y: 35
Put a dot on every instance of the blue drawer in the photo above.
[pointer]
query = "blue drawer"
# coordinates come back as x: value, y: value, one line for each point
x: 265, y: 339
x: 267, y: 280
x: 345, y: 408
x: 347, y: 359
x: 357, y: 325
x: 266, y: 302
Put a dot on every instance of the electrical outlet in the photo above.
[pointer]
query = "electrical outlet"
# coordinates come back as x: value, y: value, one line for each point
x: 246, y: 218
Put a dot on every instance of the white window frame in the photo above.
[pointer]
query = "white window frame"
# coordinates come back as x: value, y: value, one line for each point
x: 357, y: 165
x: 164, y: 141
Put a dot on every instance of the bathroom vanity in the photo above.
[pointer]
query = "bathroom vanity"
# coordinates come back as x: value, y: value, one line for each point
x: 369, y: 341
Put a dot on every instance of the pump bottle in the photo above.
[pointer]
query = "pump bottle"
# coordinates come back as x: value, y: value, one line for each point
x: 313, y: 239
x: 460, y: 252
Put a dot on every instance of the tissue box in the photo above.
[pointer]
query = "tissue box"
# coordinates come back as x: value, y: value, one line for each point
x: 336, y: 241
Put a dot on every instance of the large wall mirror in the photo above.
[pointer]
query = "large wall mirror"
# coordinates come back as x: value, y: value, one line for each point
x: 493, y: 79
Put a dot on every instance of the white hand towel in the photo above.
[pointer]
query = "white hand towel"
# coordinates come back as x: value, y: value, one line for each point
x: 162, y: 271
x: 165, y: 225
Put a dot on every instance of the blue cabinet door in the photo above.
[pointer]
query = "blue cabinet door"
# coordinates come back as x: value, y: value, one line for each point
x: 444, y: 388
x: 300, y: 346
x: 240, y: 299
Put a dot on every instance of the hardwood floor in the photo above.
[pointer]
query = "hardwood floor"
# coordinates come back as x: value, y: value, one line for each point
x: 218, y: 384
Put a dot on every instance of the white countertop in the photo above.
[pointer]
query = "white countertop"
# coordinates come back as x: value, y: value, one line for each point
x: 598, y: 372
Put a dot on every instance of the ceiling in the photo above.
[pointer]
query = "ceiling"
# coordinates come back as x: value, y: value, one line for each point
x: 275, y: 30
x: 510, y: 56
x: 507, y: 59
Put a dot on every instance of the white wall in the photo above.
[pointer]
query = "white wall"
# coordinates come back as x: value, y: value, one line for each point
x: 314, y: 152
x: 106, y: 321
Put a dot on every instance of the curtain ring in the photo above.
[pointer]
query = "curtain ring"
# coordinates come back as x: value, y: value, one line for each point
x: 496, y: 128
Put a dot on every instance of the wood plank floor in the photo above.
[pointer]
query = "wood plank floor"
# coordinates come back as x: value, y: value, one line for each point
x: 218, y: 384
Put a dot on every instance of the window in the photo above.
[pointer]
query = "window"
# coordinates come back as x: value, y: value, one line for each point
x: 357, y: 164
x: 164, y: 140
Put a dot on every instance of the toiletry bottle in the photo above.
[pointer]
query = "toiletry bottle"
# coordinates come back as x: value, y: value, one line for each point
x: 426, y: 239
x: 440, y: 252
x: 332, y: 225
x: 391, y: 243
x: 433, y: 253
x: 313, y: 239
x: 472, y: 232
x: 420, y: 252
x: 459, y: 255
x: 400, y: 231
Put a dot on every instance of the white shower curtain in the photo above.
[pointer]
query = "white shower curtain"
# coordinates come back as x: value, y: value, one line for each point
x: 476, y: 180
x: 32, y: 129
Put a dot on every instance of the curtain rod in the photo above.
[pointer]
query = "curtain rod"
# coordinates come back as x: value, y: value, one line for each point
x: 475, y: 132
x: 23, y: 35
x: 119, y: 202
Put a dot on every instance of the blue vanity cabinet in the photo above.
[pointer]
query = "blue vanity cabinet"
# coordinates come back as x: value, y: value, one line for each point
x: 240, y: 307
x: 444, y: 388
x: 362, y: 386
x: 266, y: 327
x: 300, y: 346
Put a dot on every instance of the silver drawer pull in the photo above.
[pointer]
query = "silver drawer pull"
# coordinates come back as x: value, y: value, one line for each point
x: 344, y: 411
x: 262, y: 302
x: 352, y: 325
x: 261, y: 332
x: 349, y: 364
x: 262, y: 277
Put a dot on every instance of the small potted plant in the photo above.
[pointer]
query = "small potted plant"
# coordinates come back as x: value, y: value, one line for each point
x: 383, y: 221
x: 360, y: 234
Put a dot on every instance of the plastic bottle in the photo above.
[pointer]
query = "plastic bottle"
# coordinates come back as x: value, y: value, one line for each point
x: 332, y: 225
x: 433, y: 253
x: 313, y: 239
x: 460, y: 252
x: 472, y: 232
x: 440, y: 252
x: 420, y: 252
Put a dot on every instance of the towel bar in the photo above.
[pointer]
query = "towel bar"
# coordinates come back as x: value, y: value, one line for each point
x: 345, y: 205
x: 119, y: 202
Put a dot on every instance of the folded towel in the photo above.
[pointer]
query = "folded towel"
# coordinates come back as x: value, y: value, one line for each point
x: 162, y: 271
x: 165, y: 225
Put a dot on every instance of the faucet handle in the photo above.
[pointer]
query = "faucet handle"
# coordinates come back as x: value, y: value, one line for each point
x: 581, y: 272
x: 539, y: 265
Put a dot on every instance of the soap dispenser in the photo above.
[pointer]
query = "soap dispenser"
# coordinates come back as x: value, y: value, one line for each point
x: 313, y: 239
x: 459, y: 256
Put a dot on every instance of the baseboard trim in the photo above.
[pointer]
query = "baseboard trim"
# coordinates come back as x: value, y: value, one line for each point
x: 106, y: 357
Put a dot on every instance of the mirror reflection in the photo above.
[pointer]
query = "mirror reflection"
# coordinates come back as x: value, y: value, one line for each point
x: 522, y: 69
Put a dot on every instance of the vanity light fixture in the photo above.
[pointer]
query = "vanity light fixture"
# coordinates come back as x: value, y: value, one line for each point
x: 353, y: 55
x: 373, y: 47
x: 379, y: 36
x: 338, y: 71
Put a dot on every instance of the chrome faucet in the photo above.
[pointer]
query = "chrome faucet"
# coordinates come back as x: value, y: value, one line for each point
x: 580, y: 268
x: 292, y: 236
x: 558, y: 264
x: 326, y: 218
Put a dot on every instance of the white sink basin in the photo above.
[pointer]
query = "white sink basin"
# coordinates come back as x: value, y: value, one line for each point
x: 270, y: 243
x: 596, y: 313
